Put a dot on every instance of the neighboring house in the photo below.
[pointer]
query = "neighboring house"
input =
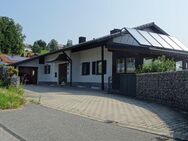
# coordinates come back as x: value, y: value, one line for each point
x: 7, y: 60
x: 27, y: 49
x: 94, y: 63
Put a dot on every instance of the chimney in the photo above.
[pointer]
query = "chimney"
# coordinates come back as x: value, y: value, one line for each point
x: 82, y: 39
x: 115, y: 31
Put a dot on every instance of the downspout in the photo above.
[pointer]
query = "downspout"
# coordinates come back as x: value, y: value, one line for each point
x: 70, y: 72
x: 102, y: 60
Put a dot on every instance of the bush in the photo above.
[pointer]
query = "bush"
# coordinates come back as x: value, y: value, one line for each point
x: 161, y: 64
x: 12, y: 71
x: 8, y: 73
x: 11, y: 98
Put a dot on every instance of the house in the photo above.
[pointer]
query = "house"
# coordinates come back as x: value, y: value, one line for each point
x: 96, y: 62
x: 7, y: 60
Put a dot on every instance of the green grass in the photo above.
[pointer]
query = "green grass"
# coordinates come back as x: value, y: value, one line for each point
x: 44, y: 52
x: 11, y: 98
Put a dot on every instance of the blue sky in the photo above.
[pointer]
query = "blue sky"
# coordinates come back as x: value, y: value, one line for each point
x: 69, y: 19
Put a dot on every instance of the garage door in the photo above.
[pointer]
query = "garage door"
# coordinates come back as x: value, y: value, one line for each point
x: 28, y: 75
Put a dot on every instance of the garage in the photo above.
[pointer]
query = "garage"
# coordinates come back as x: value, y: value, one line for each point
x: 28, y: 75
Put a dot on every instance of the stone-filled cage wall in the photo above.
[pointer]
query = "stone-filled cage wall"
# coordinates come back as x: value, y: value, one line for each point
x: 169, y: 88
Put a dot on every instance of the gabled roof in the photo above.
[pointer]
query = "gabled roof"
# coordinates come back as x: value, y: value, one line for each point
x: 84, y: 45
x: 100, y: 41
x: 151, y: 26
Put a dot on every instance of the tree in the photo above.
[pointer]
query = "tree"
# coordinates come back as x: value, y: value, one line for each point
x: 42, y: 44
x: 53, y: 45
x: 69, y: 43
x: 11, y: 37
x: 39, y: 47
x: 36, y: 48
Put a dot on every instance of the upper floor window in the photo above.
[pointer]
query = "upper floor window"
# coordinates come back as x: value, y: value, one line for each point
x: 41, y: 60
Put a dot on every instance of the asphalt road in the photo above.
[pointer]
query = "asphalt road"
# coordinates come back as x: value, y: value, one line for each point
x: 38, y: 123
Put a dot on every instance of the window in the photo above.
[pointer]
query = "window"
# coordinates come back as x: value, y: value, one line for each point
x: 179, y: 65
x: 120, y: 65
x: 130, y: 63
x: 86, y: 68
x: 41, y: 60
x: 94, y: 67
x: 47, y: 69
x: 147, y: 61
x: 97, y: 67
x: 125, y: 65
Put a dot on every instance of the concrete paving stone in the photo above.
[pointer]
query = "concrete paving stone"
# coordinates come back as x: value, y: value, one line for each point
x: 125, y: 111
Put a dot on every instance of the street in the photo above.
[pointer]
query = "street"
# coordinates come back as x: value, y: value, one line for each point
x: 38, y: 123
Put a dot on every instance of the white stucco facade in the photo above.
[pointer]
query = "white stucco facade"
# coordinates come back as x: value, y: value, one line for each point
x: 89, y: 55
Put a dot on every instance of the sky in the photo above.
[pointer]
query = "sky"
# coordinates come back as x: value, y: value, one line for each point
x: 69, y: 19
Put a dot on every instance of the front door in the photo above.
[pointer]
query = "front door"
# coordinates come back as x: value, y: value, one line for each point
x: 62, y: 74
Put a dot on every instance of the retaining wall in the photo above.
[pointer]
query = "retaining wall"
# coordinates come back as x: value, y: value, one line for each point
x: 169, y: 88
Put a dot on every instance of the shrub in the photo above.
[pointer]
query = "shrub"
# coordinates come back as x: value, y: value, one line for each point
x: 161, y: 64
x: 11, y: 98
x: 7, y: 74
x: 12, y: 71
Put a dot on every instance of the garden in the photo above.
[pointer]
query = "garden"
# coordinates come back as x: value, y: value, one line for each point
x: 11, y: 93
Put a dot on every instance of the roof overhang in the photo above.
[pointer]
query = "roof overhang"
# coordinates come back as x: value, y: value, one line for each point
x: 78, y: 47
x: 152, y: 26
x: 146, y: 51
x: 60, y: 58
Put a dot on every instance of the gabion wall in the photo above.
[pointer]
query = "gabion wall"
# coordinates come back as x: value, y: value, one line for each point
x: 169, y: 88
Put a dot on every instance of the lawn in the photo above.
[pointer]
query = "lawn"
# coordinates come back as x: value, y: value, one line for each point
x: 44, y: 52
x: 11, y: 98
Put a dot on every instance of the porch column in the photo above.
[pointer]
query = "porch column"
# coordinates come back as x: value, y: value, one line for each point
x: 102, y: 61
x: 70, y: 72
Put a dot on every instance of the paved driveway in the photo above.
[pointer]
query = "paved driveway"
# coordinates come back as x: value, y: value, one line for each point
x: 114, y: 109
x: 39, y: 123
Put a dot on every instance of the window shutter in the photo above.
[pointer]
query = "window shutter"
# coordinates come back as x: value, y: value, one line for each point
x: 82, y: 68
x: 94, y: 67
x: 104, y: 67
x: 87, y: 68
x: 45, y: 69
x: 49, y: 68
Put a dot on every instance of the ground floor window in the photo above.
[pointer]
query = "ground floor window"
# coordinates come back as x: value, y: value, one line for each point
x: 125, y: 65
x: 120, y: 65
x: 97, y: 67
x: 86, y: 68
x: 179, y: 65
x: 186, y: 65
x: 47, y: 69
x: 130, y: 63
